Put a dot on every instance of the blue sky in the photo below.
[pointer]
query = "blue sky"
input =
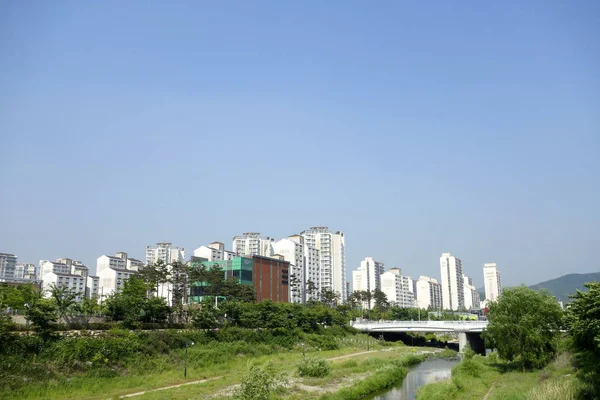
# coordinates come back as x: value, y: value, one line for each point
x: 416, y: 128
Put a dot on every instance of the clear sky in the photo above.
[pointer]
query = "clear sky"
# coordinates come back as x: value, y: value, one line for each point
x: 415, y: 127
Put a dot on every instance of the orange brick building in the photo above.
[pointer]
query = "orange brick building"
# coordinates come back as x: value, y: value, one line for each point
x: 270, y: 278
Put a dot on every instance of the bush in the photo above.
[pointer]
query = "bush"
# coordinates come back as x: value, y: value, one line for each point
x: 468, y: 367
x: 259, y: 383
x: 314, y: 367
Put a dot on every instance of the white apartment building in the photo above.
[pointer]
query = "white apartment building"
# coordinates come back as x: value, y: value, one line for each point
x: 492, y: 282
x: 113, y: 271
x: 305, y: 264
x: 165, y: 252
x: 8, y: 264
x: 215, y: 251
x: 367, y: 276
x: 471, y: 294
x: 252, y: 244
x: 64, y: 273
x: 453, y: 292
x: 93, y: 287
x: 29, y: 271
x: 398, y: 288
x: 429, y: 293
x: 332, y: 247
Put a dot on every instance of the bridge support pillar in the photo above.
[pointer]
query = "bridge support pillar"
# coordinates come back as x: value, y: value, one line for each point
x: 474, y: 340
x: 462, y: 341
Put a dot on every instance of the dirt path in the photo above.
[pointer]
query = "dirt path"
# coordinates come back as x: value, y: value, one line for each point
x: 488, y: 393
x: 169, y: 387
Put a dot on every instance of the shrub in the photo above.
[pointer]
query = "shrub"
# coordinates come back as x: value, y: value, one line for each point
x: 314, y: 367
x: 468, y: 367
x: 259, y: 383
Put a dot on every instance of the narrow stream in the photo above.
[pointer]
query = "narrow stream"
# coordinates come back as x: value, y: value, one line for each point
x: 426, y: 372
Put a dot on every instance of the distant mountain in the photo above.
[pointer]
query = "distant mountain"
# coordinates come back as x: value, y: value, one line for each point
x: 562, y: 287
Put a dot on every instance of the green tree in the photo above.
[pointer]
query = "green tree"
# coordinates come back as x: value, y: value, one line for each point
x: 329, y: 297
x: 65, y: 301
x: 381, y: 301
x: 132, y: 305
x: 583, y: 322
x: 207, y: 317
x: 43, y: 316
x: 525, y: 324
x: 86, y: 309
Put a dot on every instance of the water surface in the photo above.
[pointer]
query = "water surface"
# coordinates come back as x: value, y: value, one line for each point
x: 426, y: 372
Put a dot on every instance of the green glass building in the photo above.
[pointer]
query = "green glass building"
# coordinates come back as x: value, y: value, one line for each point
x: 239, y: 268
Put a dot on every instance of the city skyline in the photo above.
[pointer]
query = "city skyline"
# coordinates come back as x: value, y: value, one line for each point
x: 414, y: 128
x: 478, y: 281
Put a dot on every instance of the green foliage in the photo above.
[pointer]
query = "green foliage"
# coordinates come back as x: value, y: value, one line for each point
x: 525, y: 324
x: 64, y: 300
x: 384, y: 377
x: 42, y: 315
x: 468, y: 367
x: 314, y: 367
x: 583, y: 321
x: 16, y: 297
x: 206, y: 317
x: 260, y: 382
x: 133, y: 306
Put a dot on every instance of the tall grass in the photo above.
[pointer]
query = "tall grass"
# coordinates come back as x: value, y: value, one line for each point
x: 555, y: 389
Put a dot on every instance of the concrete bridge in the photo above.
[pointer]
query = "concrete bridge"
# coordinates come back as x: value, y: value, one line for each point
x: 468, y: 331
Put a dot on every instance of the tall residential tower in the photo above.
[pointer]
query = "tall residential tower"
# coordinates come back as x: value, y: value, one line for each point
x: 452, y: 282
x: 332, y: 247
x: 491, y: 279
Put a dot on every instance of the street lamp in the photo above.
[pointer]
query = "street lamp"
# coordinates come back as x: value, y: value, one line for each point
x: 185, y: 360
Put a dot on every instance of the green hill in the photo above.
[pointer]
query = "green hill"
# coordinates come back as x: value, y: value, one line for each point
x: 565, y: 285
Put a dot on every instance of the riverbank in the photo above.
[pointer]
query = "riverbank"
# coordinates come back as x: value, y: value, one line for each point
x: 351, y: 376
x: 492, y: 379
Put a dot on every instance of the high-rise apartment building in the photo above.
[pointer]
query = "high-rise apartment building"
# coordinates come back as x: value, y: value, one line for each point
x: 165, y: 252
x: 112, y: 272
x: 64, y: 273
x: 215, y: 251
x: 398, y: 288
x: 471, y: 294
x: 332, y: 247
x: 305, y: 266
x: 429, y: 293
x: 25, y: 271
x: 8, y: 264
x: 492, y: 282
x: 367, y: 276
x: 452, y: 282
x: 251, y: 243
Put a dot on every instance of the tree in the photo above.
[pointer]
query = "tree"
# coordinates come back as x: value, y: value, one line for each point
x: 583, y: 322
x: 65, y: 300
x: 132, y: 306
x: 42, y: 315
x: 525, y: 324
x: 87, y: 308
x: 329, y: 297
x: 207, y: 317
x: 381, y: 301
x: 295, y: 288
x: 311, y: 290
